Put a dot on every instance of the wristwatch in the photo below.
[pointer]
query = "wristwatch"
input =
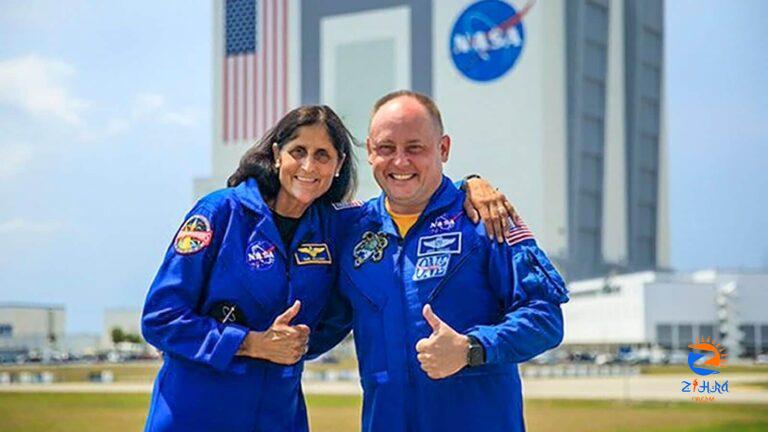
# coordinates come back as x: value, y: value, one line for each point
x: 476, y: 354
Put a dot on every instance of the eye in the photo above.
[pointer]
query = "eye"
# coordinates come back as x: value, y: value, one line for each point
x: 415, y: 149
x: 298, y: 152
x: 385, y: 149
x: 322, y: 156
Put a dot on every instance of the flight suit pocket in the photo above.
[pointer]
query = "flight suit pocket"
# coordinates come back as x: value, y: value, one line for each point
x: 312, y: 285
x: 204, y: 395
x: 370, y: 337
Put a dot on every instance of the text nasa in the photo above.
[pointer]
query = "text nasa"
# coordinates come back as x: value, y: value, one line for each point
x: 484, y: 41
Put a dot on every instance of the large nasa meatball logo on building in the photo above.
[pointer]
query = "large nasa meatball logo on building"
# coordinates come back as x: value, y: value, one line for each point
x: 487, y: 39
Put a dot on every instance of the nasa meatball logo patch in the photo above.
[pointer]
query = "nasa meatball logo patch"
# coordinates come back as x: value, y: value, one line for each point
x: 487, y: 39
x: 195, y: 235
x: 260, y: 255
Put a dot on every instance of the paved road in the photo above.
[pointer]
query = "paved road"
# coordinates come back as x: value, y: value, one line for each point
x: 631, y: 388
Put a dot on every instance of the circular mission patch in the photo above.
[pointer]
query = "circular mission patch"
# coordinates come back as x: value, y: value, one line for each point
x: 194, y: 235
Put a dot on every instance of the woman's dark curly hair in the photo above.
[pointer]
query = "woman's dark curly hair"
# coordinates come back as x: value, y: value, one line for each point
x: 258, y: 162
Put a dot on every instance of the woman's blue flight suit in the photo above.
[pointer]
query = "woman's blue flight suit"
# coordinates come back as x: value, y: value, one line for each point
x: 228, y: 272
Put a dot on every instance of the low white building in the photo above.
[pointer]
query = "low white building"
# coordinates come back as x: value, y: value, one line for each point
x: 31, y: 327
x: 669, y: 311
x: 126, y: 319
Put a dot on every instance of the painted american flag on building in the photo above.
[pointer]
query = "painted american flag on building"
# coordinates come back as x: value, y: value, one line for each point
x: 255, y: 67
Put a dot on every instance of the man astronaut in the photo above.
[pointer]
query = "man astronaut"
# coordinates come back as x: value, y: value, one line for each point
x: 441, y: 314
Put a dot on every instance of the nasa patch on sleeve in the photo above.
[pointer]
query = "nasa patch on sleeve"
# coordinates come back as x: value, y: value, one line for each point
x: 195, y: 235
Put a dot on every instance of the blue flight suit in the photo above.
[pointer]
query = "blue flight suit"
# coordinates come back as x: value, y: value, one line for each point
x: 507, y: 295
x: 227, y: 272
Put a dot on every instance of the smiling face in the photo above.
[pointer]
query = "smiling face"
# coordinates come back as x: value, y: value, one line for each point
x: 307, y: 165
x: 406, y: 151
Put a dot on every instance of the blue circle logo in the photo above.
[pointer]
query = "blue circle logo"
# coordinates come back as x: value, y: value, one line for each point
x: 487, y: 39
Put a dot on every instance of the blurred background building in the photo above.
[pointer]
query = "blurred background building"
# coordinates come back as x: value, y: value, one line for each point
x: 643, y: 311
x: 559, y: 103
x: 123, y: 324
x: 30, y: 329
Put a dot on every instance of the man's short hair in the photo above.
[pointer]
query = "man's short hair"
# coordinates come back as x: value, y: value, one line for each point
x: 423, y: 99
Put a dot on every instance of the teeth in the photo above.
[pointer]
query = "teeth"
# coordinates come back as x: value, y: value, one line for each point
x: 402, y: 176
x: 305, y: 179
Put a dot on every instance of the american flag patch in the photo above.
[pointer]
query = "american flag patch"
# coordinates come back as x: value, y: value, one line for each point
x: 518, y: 231
x: 347, y: 204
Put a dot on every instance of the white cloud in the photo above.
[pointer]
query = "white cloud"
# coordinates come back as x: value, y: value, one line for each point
x: 147, y: 104
x: 185, y: 118
x: 13, y: 159
x: 153, y: 106
x: 36, y: 85
x: 114, y: 127
x: 19, y: 225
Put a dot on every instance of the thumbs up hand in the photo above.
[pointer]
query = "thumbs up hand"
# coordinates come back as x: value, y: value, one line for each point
x: 282, y: 342
x: 445, y: 351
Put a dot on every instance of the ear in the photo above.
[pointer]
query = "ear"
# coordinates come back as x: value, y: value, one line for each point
x: 341, y: 163
x: 369, y: 147
x: 445, y: 148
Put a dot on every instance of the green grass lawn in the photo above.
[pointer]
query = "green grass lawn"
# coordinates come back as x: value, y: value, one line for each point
x: 37, y: 412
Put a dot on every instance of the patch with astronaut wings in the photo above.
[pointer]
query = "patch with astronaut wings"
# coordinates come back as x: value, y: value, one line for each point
x: 313, y: 253
x: 194, y: 236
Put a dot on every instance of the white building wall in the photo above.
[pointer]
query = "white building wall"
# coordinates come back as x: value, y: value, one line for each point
x: 32, y: 325
x: 512, y: 129
x: 607, y: 318
x: 679, y: 303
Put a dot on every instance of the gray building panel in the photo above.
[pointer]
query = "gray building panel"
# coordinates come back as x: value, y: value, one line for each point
x: 644, y: 62
x: 587, y: 51
x: 312, y: 12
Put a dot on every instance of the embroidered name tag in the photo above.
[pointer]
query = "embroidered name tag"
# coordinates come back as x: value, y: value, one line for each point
x: 313, y: 253
x: 432, y: 266
x: 449, y: 243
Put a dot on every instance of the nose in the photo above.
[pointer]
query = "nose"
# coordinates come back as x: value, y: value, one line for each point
x: 401, y: 159
x: 307, y: 164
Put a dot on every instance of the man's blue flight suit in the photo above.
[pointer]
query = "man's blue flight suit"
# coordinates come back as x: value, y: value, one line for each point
x: 506, y: 295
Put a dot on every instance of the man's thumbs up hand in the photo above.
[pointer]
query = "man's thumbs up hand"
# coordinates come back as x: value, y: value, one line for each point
x: 445, y: 351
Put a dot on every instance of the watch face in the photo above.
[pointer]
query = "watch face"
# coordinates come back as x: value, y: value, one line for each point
x: 475, y: 355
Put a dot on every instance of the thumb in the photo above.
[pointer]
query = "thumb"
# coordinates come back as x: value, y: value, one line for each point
x: 431, y: 318
x: 289, y: 314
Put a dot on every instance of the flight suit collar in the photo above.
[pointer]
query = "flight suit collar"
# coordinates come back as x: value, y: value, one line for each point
x: 444, y: 196
x: 249, y: 195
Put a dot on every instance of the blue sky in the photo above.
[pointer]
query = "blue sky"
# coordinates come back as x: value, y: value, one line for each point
x: 105, y: 119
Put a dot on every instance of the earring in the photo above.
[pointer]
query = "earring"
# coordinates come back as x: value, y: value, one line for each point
x: 277, y: 163
x: 337, y: 173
